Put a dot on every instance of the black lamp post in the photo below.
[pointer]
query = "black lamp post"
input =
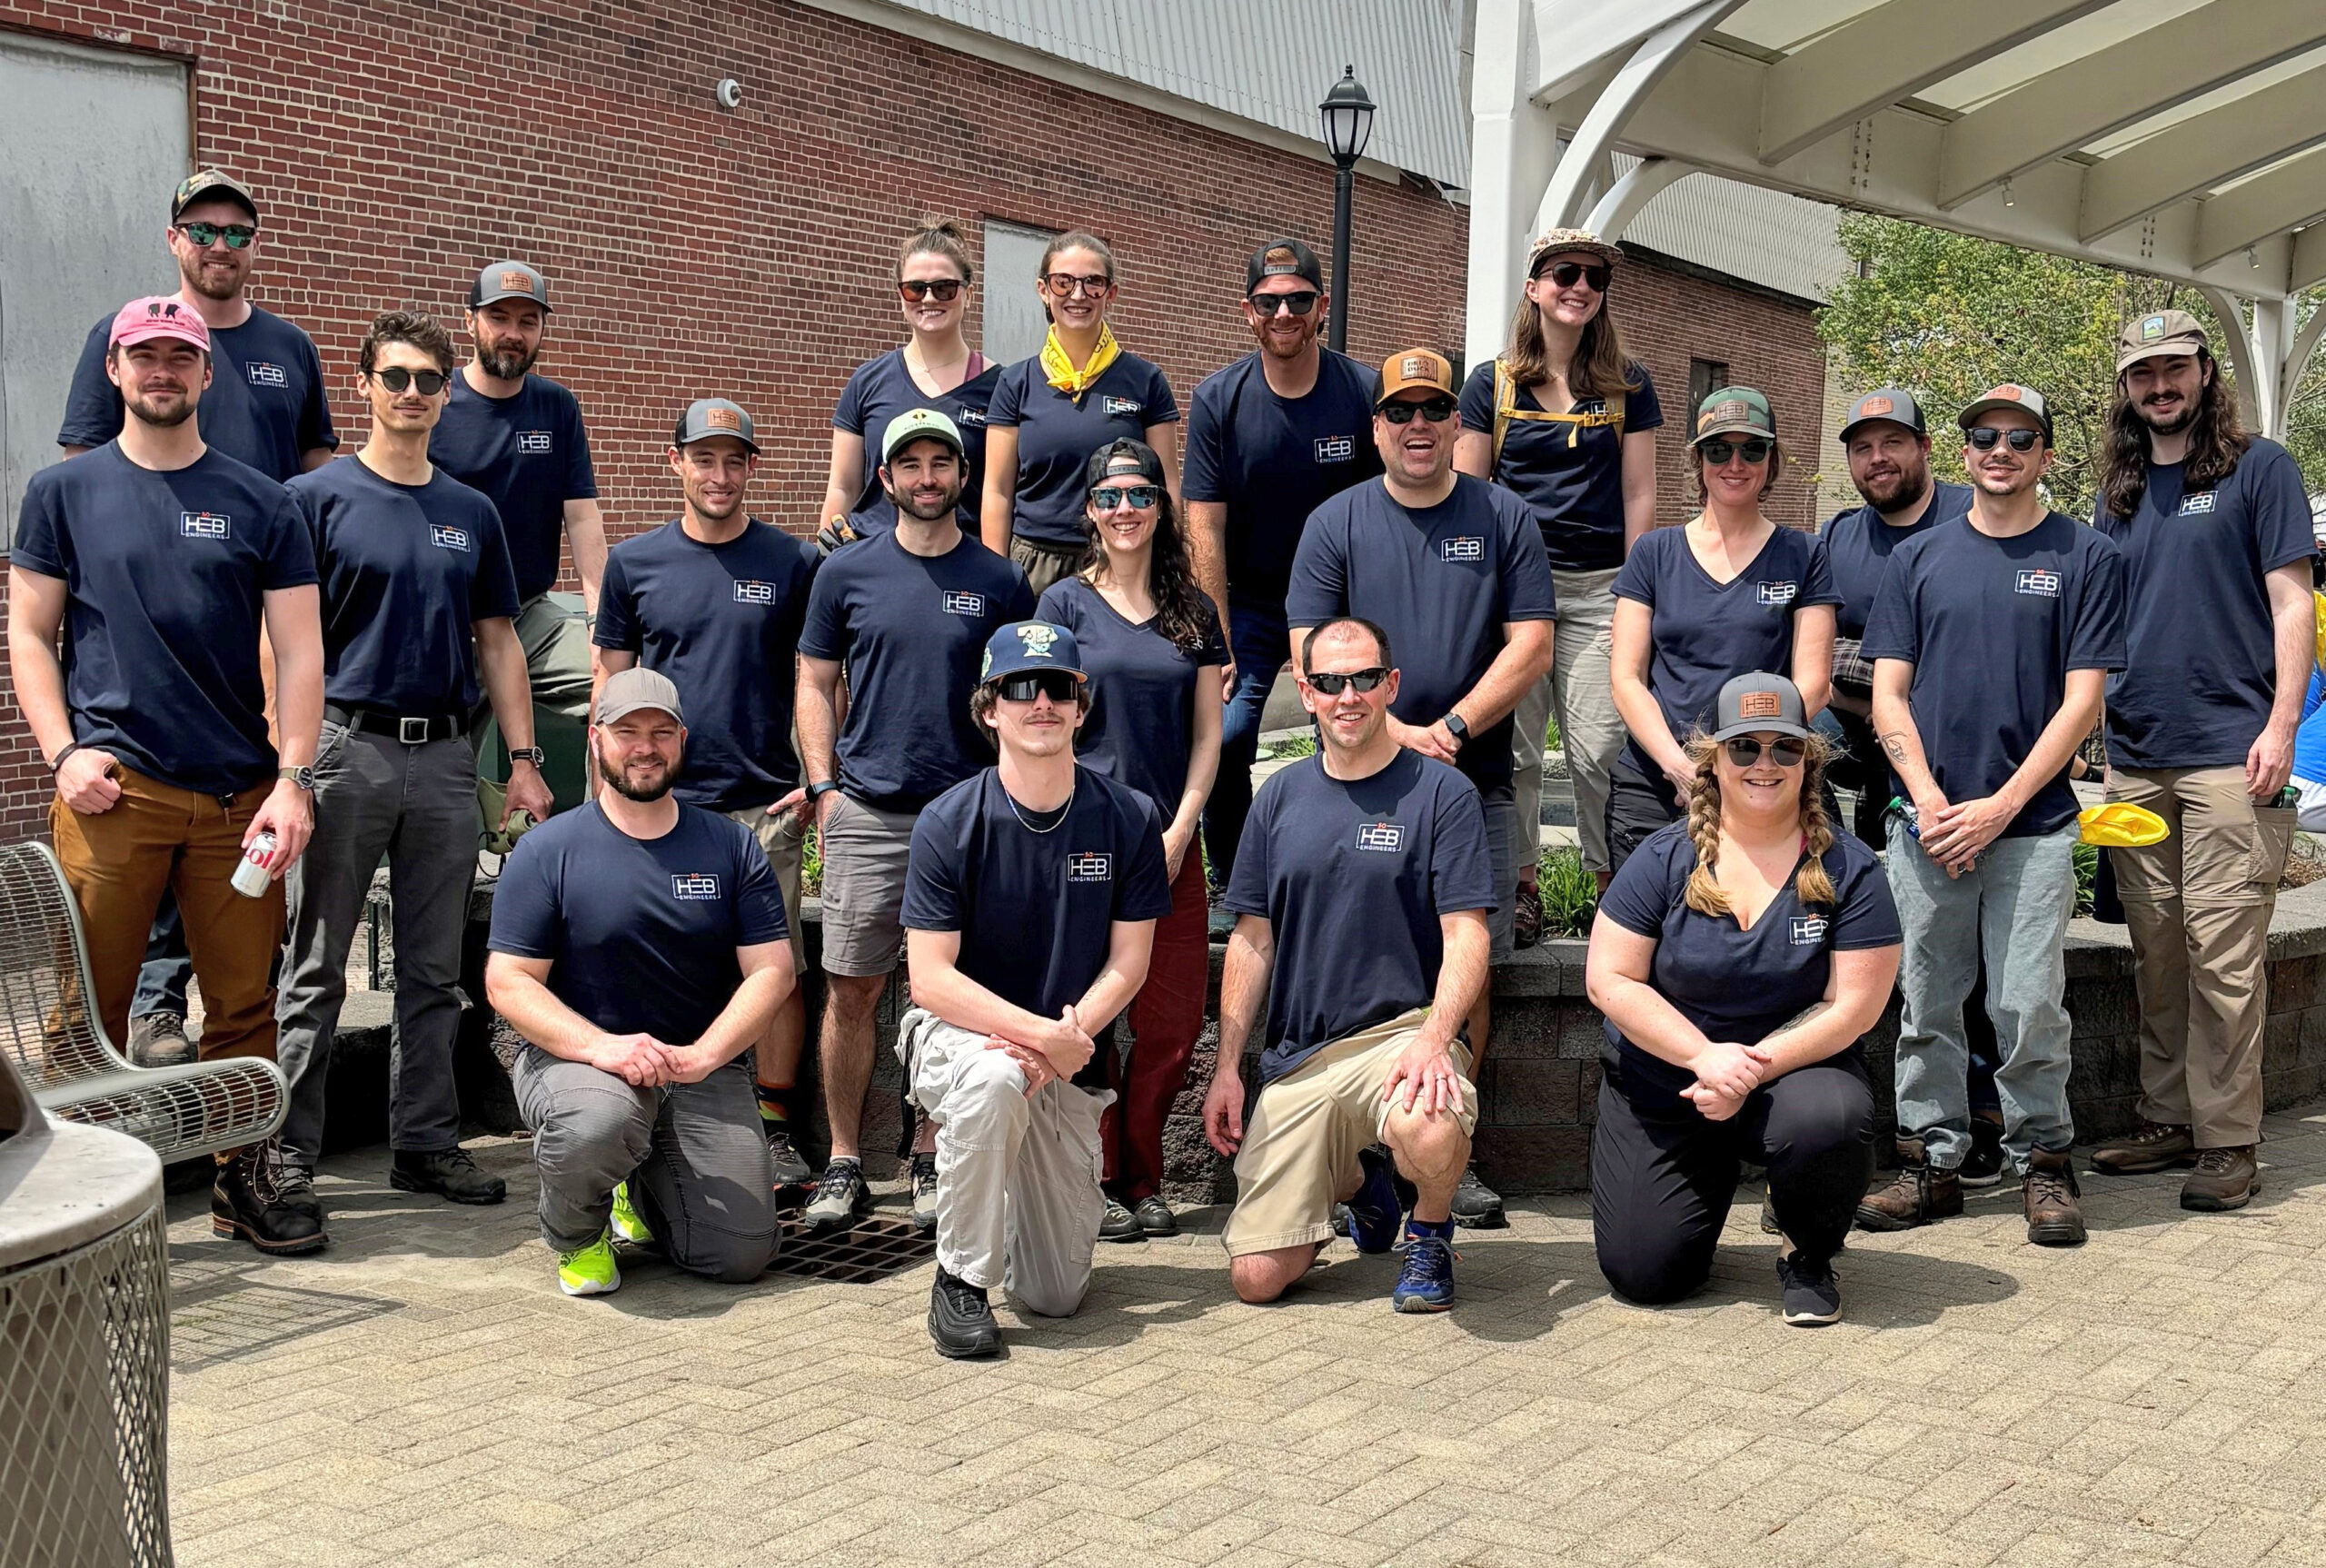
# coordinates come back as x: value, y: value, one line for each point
x: 1349, y: 126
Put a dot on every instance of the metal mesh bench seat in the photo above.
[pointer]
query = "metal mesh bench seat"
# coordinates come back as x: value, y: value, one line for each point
x: 60, y: 1050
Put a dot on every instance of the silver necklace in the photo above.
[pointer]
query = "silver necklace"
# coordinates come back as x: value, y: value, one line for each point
x: 1062, y: 810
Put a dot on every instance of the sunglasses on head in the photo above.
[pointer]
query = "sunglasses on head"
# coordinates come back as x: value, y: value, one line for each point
x: 1090, y: 284
x: 1984, y: 438
x: 1058, y: 685
x: 1332, y: 683
x: 1299, y: 301
x: 1435, y: 410
x: 397, y: 379
x: 1718, y: 452
x: 1786, y: 750
x: 236, y: 235
x: 1111, y: 497
x: 1566, y: 274
x: 944, y: 290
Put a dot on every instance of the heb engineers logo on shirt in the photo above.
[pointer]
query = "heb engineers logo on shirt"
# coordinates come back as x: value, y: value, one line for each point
x: 1335, y: 448
x: 2040, y: 581
x: 1805, y: 930
x: 749, y: 591
x: 205, y: 525
x: 1090, y: 866
x: 263, y: 374
x: 961, y: 604
x: 534, y: 440
x: 694, y: 885
x: 1776, y: 595
x: 1381, y: 838
x: 444, y: 538
x: 1468, y: 548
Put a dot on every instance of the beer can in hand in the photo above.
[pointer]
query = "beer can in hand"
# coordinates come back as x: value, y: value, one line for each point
x: 250, y: 877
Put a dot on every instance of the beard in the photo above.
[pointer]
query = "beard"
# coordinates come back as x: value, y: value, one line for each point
x: 2175, y: 426
x: 160, y: 418
x: 617, y: 778
x: 926, y: 511
x: 507, y: 365
x: 1908, y: 488
x: 715, y: 514
x: 209, y: 284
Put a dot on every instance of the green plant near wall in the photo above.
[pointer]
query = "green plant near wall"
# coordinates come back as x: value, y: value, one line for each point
x: 1570, y: 894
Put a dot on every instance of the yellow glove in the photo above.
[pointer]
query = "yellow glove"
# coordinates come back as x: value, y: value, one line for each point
x: 2120, y: 825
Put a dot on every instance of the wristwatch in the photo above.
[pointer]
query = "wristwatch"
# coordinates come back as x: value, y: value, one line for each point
x: 304, y: 778
x: 533, y: 754
x: 818, y: 792
x: 1455, y: 727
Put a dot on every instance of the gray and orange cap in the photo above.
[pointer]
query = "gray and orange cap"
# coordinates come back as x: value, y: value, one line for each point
x: 509, y: 280
x: 211, y: 186
x: 2158, y: 334
x: 2009, y: 394
x: 1758, y: 702
x: 1892, y: 404
x: 627, y: 691
x: 1030, y: 645
x: 710, y: 416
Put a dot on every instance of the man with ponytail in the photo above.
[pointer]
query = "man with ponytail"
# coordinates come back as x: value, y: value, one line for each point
x: 2215, y: 532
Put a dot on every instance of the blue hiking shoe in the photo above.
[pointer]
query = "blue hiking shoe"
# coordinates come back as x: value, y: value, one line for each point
x: 1373, y: 1210
x: 1426, y: 1282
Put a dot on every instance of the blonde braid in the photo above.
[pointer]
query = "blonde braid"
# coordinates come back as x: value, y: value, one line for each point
x: 1813, y: 885
x: 1704, y: 894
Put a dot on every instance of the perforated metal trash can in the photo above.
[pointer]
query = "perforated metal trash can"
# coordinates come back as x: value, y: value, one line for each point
x: 85, y: 1344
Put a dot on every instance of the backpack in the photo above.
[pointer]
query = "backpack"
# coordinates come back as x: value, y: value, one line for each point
x: 1506, y: 409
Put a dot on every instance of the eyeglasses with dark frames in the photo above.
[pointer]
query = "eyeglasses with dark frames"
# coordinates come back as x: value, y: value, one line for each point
x: 1718, y: 453
x: 1435, y: 410
x: 237, y: 235
x: 1332, y: 682
x: 944, y: 290
x: 1984, y: 438
x: 1299, y: 301
x: 397, y: 379
x: 1786, y: 751
x: 1115, y: 497
x: 1566, y: 274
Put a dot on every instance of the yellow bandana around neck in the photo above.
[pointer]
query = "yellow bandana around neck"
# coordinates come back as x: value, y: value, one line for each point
x: 1060, y: 370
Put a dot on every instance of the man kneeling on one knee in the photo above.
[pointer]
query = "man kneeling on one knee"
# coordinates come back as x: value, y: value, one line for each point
x: 1361, y: 892
x: 638, y: 946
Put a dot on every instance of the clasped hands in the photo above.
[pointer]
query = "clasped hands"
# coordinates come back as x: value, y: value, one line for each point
x: 1061, y: 1050
x: 1726, y: 1074
x: 644, y: 1062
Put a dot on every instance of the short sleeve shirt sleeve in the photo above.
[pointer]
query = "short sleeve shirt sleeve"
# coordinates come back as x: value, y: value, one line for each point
x: 848, y: 414
x: 618, y: 626
x: 1144, y: 893
x: 1477, y: 399
x: 1162, y: 407
x: 2280, y: 512
x: 290, y: 549
x: 314, y: 414
x: 36, y: 547
x: 1022, y: 597
x: 1205, y: 456
x: 1461, y: 868
x: 1215, y: 642
x: 2096, y: 639
x: 758, y: 897
x: 1009, y: 405
x: 494, y: 597
x: 1636, y: 581
x: 1865, y: 915
x: 1527, y: 586
x: 581, y: 477
x: 1247, y: 884
x: 1890, y: 630
x: 1643, y: 410
x: 524, y: 906
x: 824, y: 634
x: 1817, y: 581
x: 92, y: 405
x: 933, y: 892
x: 1319, y: 587
x: 1648, y: 883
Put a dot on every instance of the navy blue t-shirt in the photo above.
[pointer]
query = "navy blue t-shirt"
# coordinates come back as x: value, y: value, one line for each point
x: 2202, y: 668
x: 881, y: 389
x: 1442, y: 581
x: 722, y: 621
x: 909, y: 632
x: 1572, y: 479
x: 407, y: 573
x: 165, y: 576
x: 1035, y: 910
x: 529, y: 455
x: 1702, y: 632
x: 1352, y: 875
x: 1141, y: 728
x: 1272, y: 460
x: 1734, y: 984
x: 1858, y: 544
x: 1992, y: 627
x: 640, y: 933
x: 1057, y: 433
x: 264, y: 405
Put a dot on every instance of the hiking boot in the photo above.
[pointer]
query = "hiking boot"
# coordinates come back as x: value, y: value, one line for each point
x: 158, y: 1040
x: 590, y: 1270
x: 920, y: 1176
x: 2152, y: 1146
x: 1526, y: 917
x: 1476, y: 1207
x: 790, y: 1170
x: 1426, y: 1282
x: 626, y: 1222
x: 960, y: 1321
x: 1920, y: 1194
x: 2049, y: 1191
x: 2224, y: 1179
x: 1985, y: 1165
x: 297, y: 1190
x: 246, y: 1201
x: 1813, y: 1297
x: 841, y: 1196
x: 1155, y: 1217
x: 1119, y: 1224
x: 450, y: 1172
x: 1373, y: 1209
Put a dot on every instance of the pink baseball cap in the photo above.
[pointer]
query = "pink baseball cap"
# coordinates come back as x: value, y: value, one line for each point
x: 160, y: 316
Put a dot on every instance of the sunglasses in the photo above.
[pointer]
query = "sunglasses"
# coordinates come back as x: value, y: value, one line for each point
x: 1299, y: 301
x: 944, y: 290
x: 1113, y: 497
x: 1332, y: 684
x: 397, y: 379
x: 1718, y: 452
x: 236, y: 235
x: 1058, y: 685
x: 1984, y: 438
x: 1566, y: 274
x: 1788, y: 750
x: 1093, y: 284
x: 1435, y: 410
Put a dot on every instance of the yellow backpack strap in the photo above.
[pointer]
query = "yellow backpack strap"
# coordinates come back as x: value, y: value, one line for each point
x: 1505, y: 404
x: 1616, y: 412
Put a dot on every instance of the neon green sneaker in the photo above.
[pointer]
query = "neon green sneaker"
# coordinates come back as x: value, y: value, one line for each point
x: 628, y: 1225
x: 589, y: 1270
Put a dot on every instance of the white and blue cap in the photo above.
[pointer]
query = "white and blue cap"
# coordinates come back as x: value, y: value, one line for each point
x: 1023, y: 646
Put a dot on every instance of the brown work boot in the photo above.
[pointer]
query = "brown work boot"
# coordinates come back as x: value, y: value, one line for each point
x: 2224, y: 1179
x: 1918, y: 1194
x: 2049, y: 1191
x: 2152, y: 1146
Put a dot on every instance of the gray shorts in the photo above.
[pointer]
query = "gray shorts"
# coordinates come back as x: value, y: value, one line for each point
x: 865, y: 850
x: 1504, y: 844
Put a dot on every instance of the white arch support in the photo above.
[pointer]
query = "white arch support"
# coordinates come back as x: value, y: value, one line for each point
x: 1648, y: 179
x: 1567, y: 198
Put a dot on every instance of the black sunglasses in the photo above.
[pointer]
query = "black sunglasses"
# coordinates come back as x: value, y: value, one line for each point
x: 1332, y: 683
x: 1058, y: 685
x: 396, y: 379
x: 945, y: 291
x: 1299, y: 301
x: 1139, y: 497
x: 1788, y: 750
x: 1435, y: 410
x: 1983, y: 438
x: 236, y: 235
x: 1717, y: 452
x: 1566, y: 274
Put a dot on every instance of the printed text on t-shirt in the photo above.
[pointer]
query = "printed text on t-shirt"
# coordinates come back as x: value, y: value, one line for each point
x: 1381, y: 838
x: 444, y: 538
x: 694, y: 885
x: 1090, y: 866
x: 964, y: 603
x: 205, y: 525
x: 2035, y: 580
x: 1776, y: 593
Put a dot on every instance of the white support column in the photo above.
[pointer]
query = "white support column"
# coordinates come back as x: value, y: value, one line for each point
x: 2305, y: 344
x: 1513, y: 145
x: 2273, y: 322
x: 2256, y: 380
x: 1648, y: 179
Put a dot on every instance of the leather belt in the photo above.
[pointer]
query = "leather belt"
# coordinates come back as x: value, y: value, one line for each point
x: 412, y: 730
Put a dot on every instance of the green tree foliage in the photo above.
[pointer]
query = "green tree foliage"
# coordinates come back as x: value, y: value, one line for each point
x: 1949, y: 315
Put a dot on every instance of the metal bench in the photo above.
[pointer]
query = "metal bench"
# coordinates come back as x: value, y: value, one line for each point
x: 59, y: 1046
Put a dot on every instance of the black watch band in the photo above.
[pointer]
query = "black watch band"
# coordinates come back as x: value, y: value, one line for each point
x: 533, y: 754
x: 1455, y: 727
x: 818, y: 792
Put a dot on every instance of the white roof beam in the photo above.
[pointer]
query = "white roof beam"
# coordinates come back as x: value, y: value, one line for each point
x: 2203, y: 151
x: 2267, y: 205
x: 1873, y: 60
x: 2308, y: 265
x: 2119, y: 86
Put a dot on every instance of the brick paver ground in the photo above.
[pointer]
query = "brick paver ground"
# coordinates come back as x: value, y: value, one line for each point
x: 424, y: 1396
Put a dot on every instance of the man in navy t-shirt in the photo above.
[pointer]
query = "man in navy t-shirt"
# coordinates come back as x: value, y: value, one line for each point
x: 156, y: 562
x: 715, y: 601
x: 639, y: 945
x: 265, y: 406
x: 2219, y: 629
x: 1992, y: 642
x: 417, y: 598
x: 904, y: 615
x: 1361, y: 900
x: 1030, y: 907
x: 519, y: 438
x: 1269, y: 439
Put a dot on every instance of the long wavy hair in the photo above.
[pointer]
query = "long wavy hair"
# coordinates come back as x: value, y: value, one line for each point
x: 1602, y: 363
x: 1181, y: 607
x: 1811, y: 884
x: 2217, y: 444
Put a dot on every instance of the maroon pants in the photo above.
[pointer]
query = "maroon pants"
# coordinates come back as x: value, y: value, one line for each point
x: 1166, y: 1016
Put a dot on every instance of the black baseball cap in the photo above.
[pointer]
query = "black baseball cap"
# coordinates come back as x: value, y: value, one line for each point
x: 1892, y: 404
x: 210, y: 185
x: 1752, y: 703
x: 1303, y: 265
x: 1123, y: 458
x: 509, y: 280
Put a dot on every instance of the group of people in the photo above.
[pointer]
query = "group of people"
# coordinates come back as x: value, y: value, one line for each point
x: 1015, y: 687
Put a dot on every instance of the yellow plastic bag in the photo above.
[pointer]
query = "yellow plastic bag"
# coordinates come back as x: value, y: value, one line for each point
x: 2120, y: 825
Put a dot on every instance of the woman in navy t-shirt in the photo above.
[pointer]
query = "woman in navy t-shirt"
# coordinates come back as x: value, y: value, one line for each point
x: 936, y: 369
x: 1050, y: 413
x: 1149, y: 636
x: 1739, y: 958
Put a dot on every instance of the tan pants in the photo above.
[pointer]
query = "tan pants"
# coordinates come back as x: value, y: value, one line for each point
x: 1043, y: 565
x: 780, y: 839
x: 1580, y: 691
x: 2198, y: 907
x: 118, y: 861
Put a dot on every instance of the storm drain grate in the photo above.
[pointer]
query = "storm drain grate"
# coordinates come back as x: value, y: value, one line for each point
x: 875, y: 1249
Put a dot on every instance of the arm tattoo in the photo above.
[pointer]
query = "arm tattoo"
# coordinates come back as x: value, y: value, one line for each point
x: 1894, y: 743
x: 1801, y: 1017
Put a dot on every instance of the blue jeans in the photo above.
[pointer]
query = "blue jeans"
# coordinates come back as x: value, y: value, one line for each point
x: 1257, y: 638
x: 161, y: 979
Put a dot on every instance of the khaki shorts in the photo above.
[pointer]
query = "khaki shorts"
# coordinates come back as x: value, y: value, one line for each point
x: 865, y: 850
x: 780, y: 839
x: 1304, y: 1132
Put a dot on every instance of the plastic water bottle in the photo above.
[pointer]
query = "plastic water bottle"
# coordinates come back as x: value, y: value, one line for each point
x: 250, y: 877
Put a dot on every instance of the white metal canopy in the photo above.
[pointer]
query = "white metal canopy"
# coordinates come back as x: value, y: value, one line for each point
x: 2182, y: 138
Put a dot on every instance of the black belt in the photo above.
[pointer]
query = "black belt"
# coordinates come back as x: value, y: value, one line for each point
x: 411, y: 729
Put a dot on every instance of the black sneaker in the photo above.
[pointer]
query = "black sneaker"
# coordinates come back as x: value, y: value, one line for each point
x: 960, y: 1321
x: 449, y: 1172
x: 1985, y: 1165
x: 1155, y: 1217
x: 790, y: 1170
x: 1813, y: 1297
x: 840, y: 1197
x: 159, y: 1040
x: 246, y: 1201
x: 921, y: 1178
x: 1476, y: 1207
x: 1118, y: 1224
x: 297, y: 1191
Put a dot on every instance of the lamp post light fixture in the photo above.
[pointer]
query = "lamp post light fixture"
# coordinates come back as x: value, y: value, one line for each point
x: 1348, y: 113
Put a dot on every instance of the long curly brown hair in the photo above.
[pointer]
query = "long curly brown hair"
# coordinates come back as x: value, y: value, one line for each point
x: 2217, y: 444
x: 1184, y: 614
x: 1811, y: 886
